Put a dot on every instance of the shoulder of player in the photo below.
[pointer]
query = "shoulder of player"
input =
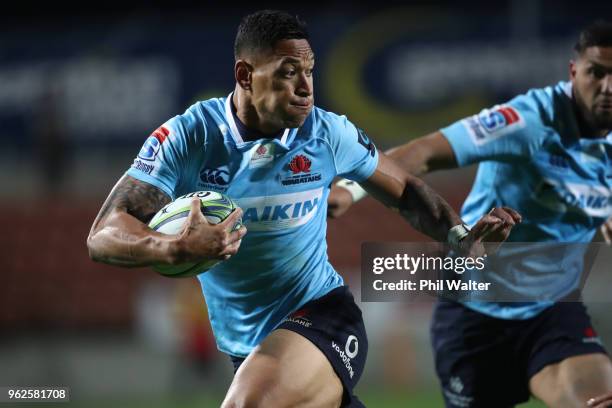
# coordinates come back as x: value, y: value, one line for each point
x: 326, y: 124
x: 198, y: 117
x: 206, y: 110
x: 540, y: 104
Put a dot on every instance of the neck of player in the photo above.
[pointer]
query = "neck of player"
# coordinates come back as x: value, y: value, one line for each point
x: 246, y: 112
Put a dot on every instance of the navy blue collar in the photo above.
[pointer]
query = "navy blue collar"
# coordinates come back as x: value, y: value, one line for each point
x: 247, y: 133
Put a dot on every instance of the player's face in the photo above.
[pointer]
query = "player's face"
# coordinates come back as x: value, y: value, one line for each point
x: 282, y: 90
x: 591, y: 77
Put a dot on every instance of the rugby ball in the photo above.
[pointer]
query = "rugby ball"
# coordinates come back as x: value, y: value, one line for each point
x: 171, y: 219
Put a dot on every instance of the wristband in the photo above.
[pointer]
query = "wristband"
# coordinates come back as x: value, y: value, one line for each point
x: 456, y: 234
x: 354, y: 188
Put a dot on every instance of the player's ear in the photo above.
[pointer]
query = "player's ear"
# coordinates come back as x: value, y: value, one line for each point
x: 242, y: 73
x: 572, y: 69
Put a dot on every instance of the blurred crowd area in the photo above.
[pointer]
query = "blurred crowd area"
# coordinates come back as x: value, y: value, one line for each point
x: 79, y: 93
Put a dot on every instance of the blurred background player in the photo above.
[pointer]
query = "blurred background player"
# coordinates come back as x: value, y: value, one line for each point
x: 547, y: 153
x: 277, y: 307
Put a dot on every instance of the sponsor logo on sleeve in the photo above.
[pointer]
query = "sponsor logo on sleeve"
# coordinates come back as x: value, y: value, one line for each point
x: 146, y: 168
x: 153, y: 143
x: 491, y: 124
x: 365, y: 141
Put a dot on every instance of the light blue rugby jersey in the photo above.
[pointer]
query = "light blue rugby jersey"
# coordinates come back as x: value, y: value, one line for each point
x: 533, y: 159
x: 282, y: 186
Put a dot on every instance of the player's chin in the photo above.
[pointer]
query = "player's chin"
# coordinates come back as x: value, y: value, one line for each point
x: 296, y: 117
x: 603, y: 118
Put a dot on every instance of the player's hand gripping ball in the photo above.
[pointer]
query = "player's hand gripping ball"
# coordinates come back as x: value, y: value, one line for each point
x: 171, y: 219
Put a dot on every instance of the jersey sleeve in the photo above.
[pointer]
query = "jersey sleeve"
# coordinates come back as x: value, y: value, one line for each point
x: 355, y: 155
x: 505, y: 132
x: 164, y: 155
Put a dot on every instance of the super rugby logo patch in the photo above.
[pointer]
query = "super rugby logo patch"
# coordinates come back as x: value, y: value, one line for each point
x: 491, y: 124
x: 153, y: 143
x: 145, y: 162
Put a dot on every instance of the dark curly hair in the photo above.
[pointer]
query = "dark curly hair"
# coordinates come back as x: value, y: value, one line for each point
x: 598, y: 34
x: 263, y: 29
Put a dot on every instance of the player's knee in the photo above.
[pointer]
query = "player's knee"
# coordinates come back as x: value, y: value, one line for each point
x: 242, y: 400
x: 577, y: 379
x: 235, y: 403
x: 595, y: 382
x: 260, y: 396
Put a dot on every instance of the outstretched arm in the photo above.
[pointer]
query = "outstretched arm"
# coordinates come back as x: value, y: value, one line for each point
x: 120, y: 235
x: 422, y: 207
x: 429, y: 213
x: 424, y: 155
x: 420, y: 156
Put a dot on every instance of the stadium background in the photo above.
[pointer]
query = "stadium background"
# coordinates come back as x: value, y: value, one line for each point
x: 81, y: 90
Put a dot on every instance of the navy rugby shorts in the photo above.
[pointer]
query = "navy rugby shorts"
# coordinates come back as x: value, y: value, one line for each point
x: 483, y: 361
x: 334, y: 324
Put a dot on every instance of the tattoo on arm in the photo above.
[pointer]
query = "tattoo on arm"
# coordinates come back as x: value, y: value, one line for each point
x: 427, y: 211
x: 139, y: 199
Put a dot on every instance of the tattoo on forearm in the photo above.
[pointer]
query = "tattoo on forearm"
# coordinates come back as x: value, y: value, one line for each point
x: 139, y: 199
x: 427, y: 211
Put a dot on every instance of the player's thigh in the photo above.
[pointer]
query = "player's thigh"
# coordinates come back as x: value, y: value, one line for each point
x: 285, y: 370
x: 475, y: 360
x: 573, y: 381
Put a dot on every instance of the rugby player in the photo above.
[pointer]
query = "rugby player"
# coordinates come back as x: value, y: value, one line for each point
x: 547, y: 153
x: 277, y: 306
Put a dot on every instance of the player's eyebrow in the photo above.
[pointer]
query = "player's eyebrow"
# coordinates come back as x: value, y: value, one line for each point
x: 293, y: 60
x: 607, y: 69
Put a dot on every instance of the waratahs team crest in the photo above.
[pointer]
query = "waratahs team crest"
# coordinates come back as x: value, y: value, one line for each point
x: 299, y: 167
x: 300, y: 164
